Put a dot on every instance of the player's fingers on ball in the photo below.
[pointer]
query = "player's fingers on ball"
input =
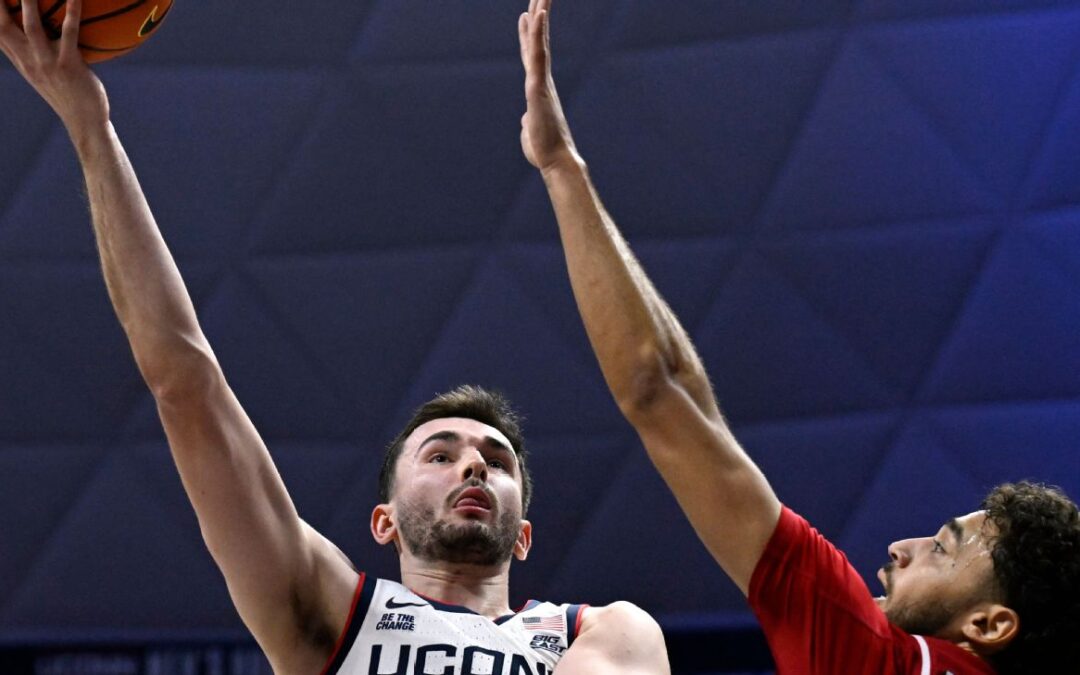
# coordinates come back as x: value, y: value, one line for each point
x: 31, y: 14
x: 9, y: 32
x: 8, y: 29
x: 9, y: 45
x: 73, y: 16
x: 69, y: 32
x: 532, y: 6
x: 32, y: 21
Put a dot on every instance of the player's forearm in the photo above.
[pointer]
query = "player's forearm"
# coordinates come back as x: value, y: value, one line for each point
x: 639, y: 343
x: 143, y: 281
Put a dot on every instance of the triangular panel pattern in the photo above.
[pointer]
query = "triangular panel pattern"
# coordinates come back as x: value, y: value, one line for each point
x: 866, y: 214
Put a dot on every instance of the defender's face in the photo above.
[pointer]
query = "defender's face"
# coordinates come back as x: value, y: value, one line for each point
x: 932, y: 582
x: 457, y: 493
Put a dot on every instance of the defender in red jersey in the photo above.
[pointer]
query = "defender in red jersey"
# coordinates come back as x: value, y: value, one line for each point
x: 819, y: 617
x: 996, y: 589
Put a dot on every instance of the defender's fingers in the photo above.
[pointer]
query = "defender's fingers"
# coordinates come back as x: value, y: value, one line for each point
x: 545, y: 19
x: 523, y: 38
x: 532, y: 7
x: 534, y: 29
x: 537, y: 49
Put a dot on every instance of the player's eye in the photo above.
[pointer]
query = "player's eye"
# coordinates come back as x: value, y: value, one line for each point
x: 496, y: 464
x: 938, y: 548
x: 439, y: 458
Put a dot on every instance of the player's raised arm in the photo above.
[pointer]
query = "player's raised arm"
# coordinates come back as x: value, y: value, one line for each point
x: 647, y: 358
x: 292, y: 587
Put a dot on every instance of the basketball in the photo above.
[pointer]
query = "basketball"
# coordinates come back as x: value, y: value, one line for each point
x: 109, y: 28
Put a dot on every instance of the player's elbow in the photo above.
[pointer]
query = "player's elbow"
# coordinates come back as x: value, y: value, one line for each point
x: 182, y: 375
x: 642, y: 383
x: 653, y: 382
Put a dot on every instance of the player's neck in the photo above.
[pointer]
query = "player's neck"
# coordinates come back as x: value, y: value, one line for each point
x: 484, y: 590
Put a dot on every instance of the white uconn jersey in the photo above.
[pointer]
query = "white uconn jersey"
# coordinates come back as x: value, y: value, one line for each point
x: 393, y: 631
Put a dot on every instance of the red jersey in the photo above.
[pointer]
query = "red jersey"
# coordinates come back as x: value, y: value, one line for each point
x: 820, y: 619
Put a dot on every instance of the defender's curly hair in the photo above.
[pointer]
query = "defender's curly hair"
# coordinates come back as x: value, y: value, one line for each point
x: 1036, y: 554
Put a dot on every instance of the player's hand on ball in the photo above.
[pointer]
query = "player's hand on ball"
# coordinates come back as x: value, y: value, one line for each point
x: 545, y: 135
x: 54, y: 67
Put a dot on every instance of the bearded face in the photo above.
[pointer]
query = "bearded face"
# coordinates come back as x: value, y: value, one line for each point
x: 925, y: 616
x: 933, y: 584
x: 458, y: 540
x: 456, y: 497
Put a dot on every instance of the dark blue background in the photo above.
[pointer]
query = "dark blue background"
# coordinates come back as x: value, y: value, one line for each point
x: 867, y: 214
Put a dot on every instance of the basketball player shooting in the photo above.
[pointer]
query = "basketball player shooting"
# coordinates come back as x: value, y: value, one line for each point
x: 996, y: 590
x: 454, y: 485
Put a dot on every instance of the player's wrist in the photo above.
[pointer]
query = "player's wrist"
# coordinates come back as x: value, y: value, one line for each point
x: 90, y: 135
x: 564, y: 164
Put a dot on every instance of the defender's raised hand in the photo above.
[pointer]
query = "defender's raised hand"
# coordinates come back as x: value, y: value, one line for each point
x: 55, y: 68
x: 545, y: 135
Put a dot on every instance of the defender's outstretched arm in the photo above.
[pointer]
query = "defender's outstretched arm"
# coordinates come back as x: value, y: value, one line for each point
x: 647, y: 358
x: 291, y: 586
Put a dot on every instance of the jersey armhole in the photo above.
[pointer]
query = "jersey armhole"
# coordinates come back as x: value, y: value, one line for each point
x: 574, y: 615
x: 360, y: 603
x: 782, y: 534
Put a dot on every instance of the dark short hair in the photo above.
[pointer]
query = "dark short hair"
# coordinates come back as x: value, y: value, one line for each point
x: 472, y: 402
x: 1036, y: 554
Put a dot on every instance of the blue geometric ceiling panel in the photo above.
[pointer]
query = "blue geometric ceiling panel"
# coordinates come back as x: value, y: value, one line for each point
x: 866, y: 213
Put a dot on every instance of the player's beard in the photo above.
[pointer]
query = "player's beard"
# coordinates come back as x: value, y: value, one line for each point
x: 925, y: 618
x: 928, y: 617
x: 472, y: 542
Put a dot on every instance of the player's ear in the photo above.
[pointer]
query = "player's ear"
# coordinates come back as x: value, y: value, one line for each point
x: 524, y: 541
x: 991, y: 628
x: 383, y: 526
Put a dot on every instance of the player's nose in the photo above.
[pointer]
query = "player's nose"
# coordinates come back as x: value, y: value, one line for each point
x: 900, y: 552
x: 474, y: 466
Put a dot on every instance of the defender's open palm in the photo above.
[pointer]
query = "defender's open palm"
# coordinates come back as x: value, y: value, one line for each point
x: 55, y: 68
x: 545, y: 135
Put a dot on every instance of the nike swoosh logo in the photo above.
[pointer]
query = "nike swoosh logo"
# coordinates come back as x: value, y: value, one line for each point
x: 153, y: 21
x: 390, y: 604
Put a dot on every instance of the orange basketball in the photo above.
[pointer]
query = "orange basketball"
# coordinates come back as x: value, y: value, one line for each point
x: 109, y: 28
